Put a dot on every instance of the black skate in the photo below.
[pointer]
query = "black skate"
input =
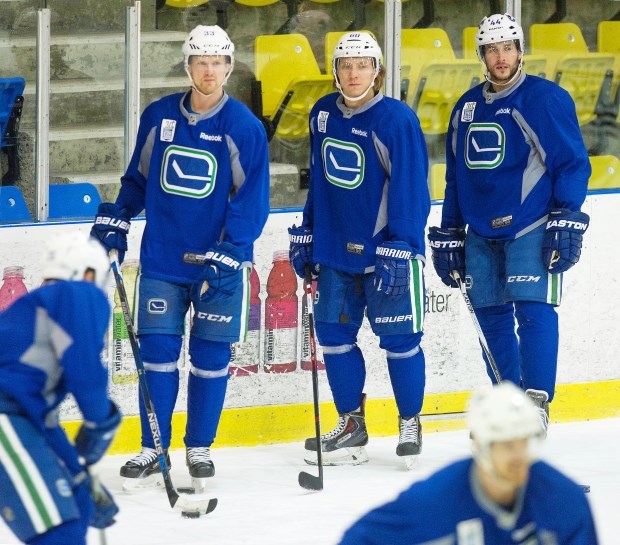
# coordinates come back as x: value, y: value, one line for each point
x: 540, y: 397
x: 410, y: 440
x: 198, y: 460
x: 344, y: 445
x: 143, y: 471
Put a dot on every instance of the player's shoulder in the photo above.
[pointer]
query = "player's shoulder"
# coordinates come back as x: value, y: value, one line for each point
x: 547, y: 481
x: 164, y: 106
x: 326, y: 102
x: 545, y: 91
x: 444, y: 483
x: 239, y: 118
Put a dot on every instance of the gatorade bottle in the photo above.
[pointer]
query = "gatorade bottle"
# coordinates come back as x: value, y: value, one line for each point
x: 281, y: 316
x: 123, y: 364
x: 13, y: 286
x: 306, y: 361
x: 245, y: 355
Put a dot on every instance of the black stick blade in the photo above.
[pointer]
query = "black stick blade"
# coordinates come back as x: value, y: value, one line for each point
x: 310, y: 482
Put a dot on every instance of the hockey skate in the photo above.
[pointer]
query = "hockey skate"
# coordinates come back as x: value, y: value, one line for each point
x: 539, y: 397
x: 198, y: 460
x: 344, y: 445
x: 143, y: 472
x: 410, y: 440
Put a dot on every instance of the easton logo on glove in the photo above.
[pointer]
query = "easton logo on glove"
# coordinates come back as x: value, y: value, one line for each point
x: 443, y: 244
x: 567, y: 224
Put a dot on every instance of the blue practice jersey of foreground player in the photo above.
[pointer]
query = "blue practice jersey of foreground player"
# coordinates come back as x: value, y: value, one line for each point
x: 368, y: 181
x: 511, y: 157
x: 40, y: 360
x: 201, y: 178
x: 449, y: 508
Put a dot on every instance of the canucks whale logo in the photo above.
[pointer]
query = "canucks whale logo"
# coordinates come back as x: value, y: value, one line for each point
x: 188, y: 172
x: 343, y: 163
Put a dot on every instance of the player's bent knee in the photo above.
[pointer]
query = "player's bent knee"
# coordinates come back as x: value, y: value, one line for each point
x: 209, y: 355
x: 160, y: 348
x: 330, y: 334
x: 406, y: 345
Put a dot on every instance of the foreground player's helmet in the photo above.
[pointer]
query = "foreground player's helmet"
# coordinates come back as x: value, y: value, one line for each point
x: 208, y: 40
x: 357, y: 44
x: 498, y: 28
x: 502, y: 413
x: 70, y: 256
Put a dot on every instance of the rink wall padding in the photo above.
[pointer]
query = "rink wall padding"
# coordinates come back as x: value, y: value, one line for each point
x: 441, y: 412
x: 266, y: 407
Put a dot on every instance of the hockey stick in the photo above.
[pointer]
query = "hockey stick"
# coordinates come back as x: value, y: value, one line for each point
x: 483, y: 342
x: 306, y: 480
x: 184, y: 503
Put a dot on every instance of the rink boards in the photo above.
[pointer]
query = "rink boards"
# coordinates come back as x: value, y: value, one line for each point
x: 277, y: 407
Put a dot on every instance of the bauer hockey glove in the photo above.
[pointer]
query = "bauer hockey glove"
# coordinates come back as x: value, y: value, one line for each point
x: 92, y: 440
x: 448, y: 247
x: 563, y: 237
x: 111, y: 228
x: 300, y: 250
x: 221, y: 275
x: 393, y: 267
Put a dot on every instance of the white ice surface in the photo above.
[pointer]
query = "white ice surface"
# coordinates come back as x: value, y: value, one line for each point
x: 260, y: 502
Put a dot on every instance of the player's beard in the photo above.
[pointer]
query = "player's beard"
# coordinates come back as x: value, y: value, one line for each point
x: 501, y: 80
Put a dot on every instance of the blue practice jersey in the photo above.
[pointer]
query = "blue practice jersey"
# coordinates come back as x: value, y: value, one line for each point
x: 368, y: 181
x: 449, y: 508
x: 52, y: 343
x: 511, y: 157
x: 201, y: 178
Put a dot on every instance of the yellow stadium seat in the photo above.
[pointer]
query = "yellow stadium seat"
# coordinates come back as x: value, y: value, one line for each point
x: 420, y: 46
x: 605, y: 172
x: 608, y: 41
x: 256, y: 3
x: 468, y: 43
x: 554, y: 41
x: 583, y: 77
x: 440, y: 85
x: 185, y: 3
x: 331, y: 39
x: 437, y: 184
x: 278, y: 59
x: 291, y: 117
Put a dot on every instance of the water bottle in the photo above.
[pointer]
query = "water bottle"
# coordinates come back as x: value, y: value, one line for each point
x: 281, y: 316
x: 245, y: 356
x: 306, y: 360
x: 123, y: 364
x: 13, y: 286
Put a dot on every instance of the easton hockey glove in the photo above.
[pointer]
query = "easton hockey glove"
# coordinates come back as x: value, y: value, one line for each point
x: 393, y: 267
x: 300, y: 250
x: 111, y: 228
x: 448, y: 247
x: 221, y: 275
x: 563, y: 238
x: 92, y: 440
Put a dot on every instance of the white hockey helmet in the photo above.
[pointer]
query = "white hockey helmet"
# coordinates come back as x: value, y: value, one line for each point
x: 357, y: 44
x: 502, y: 413
x: 208, y: 40
x: 69, y: 256
x: 498, y: 28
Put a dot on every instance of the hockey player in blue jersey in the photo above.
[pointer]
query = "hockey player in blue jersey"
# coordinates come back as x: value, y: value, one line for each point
x: 517, y: 176
x: 363, y: 235
x: 500, y: 496
x: 200, y: 170
x: 53, y: 339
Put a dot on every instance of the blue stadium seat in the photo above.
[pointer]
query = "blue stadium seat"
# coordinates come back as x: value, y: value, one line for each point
x: 12, y: 205
x: 73, y: 200
x: 11, y: 103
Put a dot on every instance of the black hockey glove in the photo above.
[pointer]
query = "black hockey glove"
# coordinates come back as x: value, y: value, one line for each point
x: 105, y: 506
x: 563, y: 238
x: 111, y: 228
x: 393, y: 267
x: 448, y: 247
x: 221, y: 275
